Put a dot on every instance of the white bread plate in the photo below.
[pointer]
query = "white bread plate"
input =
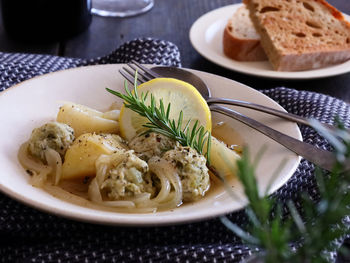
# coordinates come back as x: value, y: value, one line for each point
x: 206, y: 36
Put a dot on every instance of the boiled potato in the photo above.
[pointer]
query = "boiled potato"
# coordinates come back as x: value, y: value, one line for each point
x: 111, y: 115
x: 222, y: 159
x: 80, y: 158
x: 84, y: 119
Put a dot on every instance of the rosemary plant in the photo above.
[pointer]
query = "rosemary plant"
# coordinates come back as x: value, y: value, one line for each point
x: 305, y: 234
x: 159, y: 121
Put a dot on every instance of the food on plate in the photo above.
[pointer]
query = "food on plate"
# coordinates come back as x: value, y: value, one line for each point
x: 241, y: 42
x: 223, y: 157
x: 54, y: 135
x: 192, y: 169
x: 122, y: 174
x: 162, y: 165
x: 80, y: 158
x: 300, y: 35
x: 84, y: 119
x: 151, y: 144
x: 182, y: 96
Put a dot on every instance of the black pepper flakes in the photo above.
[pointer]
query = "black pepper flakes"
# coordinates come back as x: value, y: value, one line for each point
x: 86, y: 179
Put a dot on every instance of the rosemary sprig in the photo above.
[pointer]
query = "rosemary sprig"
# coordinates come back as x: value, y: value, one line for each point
x: 308, y: 229
x: 159, y: 121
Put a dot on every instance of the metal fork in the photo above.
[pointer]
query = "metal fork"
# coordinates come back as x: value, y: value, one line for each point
x: 203, y: 89
x: 319, y: 157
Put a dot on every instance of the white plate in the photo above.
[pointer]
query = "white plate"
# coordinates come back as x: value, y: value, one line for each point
x: 206, y: 37
x: 36, y: 101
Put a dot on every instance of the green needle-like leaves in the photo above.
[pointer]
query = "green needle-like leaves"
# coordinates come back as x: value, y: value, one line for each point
x: 313, y: 228
x: 159, y: 121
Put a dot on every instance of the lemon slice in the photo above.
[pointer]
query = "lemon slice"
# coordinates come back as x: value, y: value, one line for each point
x: 182, y: 96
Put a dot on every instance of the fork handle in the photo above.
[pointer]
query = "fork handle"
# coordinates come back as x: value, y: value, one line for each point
x: 319, y: 157
x: 282, y: 114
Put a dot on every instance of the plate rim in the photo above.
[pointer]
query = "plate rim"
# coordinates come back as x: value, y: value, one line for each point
x: 96, y: 219
x: 199, y: 43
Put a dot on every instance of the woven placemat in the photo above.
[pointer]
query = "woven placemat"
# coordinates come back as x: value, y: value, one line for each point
x: 32, y: 236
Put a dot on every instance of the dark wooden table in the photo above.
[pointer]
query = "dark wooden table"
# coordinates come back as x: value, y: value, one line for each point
x: 171, y: 20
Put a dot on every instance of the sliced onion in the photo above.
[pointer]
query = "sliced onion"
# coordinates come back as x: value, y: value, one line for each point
x: 118, y: 203
x: 139, y: 198
x: 28, y: 162
x: 164, y: 190
x: 54, y: 160
x: 162, y: 168
x: 39, y: 170
x: 94, y: 193
x: 66, y: 196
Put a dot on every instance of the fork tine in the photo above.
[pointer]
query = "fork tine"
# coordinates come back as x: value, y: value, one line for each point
x: 140, y: 79
x: 148, y: 71
x: 139, y: 72
x: 127, y: 76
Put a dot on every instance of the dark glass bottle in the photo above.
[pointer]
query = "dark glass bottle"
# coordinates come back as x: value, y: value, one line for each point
x: 45, y: 20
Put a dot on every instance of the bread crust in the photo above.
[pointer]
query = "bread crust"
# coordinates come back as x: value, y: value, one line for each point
x: 240, y: 40
x: 301, y: 35
x: 242, y: 49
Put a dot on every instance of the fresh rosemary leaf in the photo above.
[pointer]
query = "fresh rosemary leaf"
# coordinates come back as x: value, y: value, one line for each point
x: 160, y: 122
x: 308, y: 230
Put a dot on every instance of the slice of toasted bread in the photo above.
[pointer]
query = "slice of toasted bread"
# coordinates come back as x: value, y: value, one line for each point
x: 301, y: 34
x: 241, y: 41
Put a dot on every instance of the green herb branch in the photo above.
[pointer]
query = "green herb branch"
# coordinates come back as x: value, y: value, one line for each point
x: 159, y: 121
x: 315, y: 227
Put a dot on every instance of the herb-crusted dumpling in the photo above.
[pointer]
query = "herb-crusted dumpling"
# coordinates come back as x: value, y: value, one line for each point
x: 151, y: 144
x: 192, y: 169
x: 54, y: 135
x: 123, y: 174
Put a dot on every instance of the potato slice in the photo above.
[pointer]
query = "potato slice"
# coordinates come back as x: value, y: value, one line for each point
x: 111, y: 115
x: 84, y: 119
x: 80, y: 158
